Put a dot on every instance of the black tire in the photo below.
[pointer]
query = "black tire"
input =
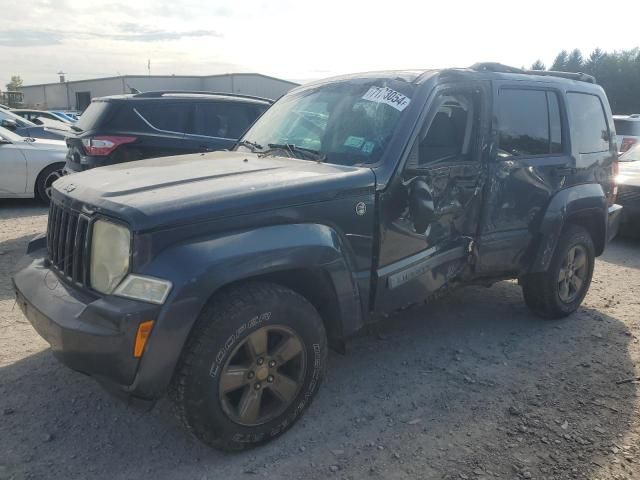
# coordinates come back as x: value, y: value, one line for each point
x: 220, y: 334
x: 543, y: 292
x: 46, y: 177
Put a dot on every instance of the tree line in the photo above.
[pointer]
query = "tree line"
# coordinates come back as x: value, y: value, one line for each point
x: 617, y: 72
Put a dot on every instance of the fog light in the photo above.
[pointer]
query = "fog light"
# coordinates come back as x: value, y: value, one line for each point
x: 148, y: 289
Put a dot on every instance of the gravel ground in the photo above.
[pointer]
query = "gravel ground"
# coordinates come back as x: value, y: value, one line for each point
x: 472, y: 386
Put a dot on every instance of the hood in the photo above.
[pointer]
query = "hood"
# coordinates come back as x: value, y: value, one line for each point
x: 629, y: 173
x: 190, y: 188
x: 55, y: 124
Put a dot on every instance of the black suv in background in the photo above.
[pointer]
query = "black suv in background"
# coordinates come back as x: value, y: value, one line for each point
x: 123, y: 128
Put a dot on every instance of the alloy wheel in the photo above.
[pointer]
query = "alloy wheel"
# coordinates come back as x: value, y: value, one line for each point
x: 573, y: 274
x: 48, y: 181
x: 263, y: 375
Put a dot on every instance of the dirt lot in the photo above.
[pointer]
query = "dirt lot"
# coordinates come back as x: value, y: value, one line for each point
x: 473, y: 386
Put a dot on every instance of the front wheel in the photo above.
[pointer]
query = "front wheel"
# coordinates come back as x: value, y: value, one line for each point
x: 45, y: 181
x: 251, y: 367
x: 559, y: 291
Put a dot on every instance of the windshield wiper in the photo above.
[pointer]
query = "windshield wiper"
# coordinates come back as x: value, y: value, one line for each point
x: 308, y: 153
x: 75, y: 129
x: 253, y: 146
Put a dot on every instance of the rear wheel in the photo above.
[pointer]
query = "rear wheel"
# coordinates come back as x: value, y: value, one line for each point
x: 46, y: 178
x: 559, y: 291
x: 251, y: 367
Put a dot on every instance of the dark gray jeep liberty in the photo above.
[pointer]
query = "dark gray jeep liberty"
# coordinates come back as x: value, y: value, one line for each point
x: 223, y: 278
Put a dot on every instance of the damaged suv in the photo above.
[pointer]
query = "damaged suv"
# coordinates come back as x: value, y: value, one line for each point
x: 225, y: 282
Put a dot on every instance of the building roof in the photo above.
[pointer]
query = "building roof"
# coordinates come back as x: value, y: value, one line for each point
x: 249, y: 74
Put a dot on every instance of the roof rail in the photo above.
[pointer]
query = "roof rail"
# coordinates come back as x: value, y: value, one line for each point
x: 500, y: 68
x: 160, y: 93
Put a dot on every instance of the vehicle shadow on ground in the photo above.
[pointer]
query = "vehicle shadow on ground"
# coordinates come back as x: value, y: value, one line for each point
x: 21, y: 207
x: 626, y: 252
x: 11, y: 251
x: 473, y: 381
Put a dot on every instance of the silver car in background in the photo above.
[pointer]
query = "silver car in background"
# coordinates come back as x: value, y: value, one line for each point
x: 29, y: 166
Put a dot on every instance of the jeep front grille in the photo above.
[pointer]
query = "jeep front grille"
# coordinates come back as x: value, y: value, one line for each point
x: 68, y: 243
x: 628, y: 194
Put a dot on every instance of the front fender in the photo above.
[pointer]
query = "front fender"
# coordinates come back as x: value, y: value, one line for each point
x: 585, y: 203
x: 200, y: 268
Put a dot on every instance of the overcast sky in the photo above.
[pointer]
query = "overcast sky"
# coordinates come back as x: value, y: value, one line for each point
x: 295, y: 40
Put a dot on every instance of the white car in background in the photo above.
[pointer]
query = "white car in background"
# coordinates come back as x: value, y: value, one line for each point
x: 627, y: 131
x: 29, y: 166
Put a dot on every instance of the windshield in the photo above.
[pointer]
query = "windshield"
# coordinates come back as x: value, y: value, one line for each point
x: 632, y: 155
x: 9, y: 135
x: 345, y: 123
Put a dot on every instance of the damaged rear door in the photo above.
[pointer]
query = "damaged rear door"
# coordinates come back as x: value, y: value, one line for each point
x: 430, y: 212
x: 531, y: 161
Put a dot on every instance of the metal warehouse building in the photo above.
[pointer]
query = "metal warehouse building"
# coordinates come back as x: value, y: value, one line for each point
x: 76, y: 95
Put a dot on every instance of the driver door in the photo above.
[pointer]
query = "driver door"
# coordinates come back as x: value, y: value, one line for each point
x: 429, y: 214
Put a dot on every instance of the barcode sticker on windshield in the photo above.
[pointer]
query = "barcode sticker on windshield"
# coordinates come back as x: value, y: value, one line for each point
x: 387, y: 96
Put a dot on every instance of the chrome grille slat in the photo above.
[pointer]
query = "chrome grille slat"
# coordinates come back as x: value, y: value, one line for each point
x: 85, y: 256
x: 67, y: 263
x: 67, y: 242
x: 56, y: 230
x: 52, y: 210
x: 78, y: 250
x: 62, y: 231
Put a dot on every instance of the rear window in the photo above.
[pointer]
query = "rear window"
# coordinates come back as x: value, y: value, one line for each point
x: 166, y: 116
x: 93, y: 115
x: 529, y: 123
x: 627, y: 127
x: 224, y: 119
x: 588, y: 123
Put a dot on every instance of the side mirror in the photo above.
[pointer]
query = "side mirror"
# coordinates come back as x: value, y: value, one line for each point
x: 9, y: 124
x: 421, y: 206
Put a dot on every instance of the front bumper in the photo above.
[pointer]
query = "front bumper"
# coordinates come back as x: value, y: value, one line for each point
x: 614, y: 219
x: 91, y: 334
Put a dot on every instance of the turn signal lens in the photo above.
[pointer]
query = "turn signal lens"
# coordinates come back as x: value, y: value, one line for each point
x: 144, y: 331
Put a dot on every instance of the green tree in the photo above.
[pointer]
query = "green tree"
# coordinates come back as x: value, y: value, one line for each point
x: 575, y: 62
x: 594, y: 62
x: 15, y: 83
x: 617, y: 72
x: 538, y: 65
x: 560, y: 63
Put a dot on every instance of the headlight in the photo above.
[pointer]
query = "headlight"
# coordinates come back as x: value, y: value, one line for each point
x: 110, y: 250
x: 148, y: 289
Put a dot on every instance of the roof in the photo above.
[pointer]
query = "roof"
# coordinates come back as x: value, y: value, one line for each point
x: 188, y: 95
x: 221, y: 75
x: 482, y: 70
x: 634, y: 117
